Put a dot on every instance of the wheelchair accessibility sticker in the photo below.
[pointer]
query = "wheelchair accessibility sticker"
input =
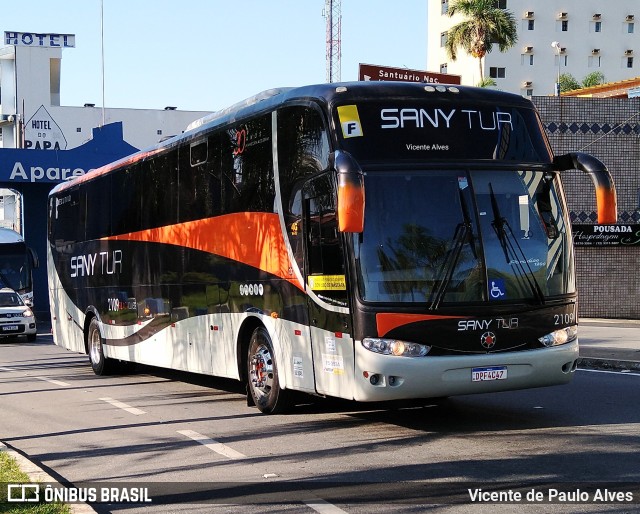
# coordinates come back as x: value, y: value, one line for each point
x: 497, y: 289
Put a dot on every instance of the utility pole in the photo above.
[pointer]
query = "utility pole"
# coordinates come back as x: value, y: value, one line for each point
x: 332, y: 13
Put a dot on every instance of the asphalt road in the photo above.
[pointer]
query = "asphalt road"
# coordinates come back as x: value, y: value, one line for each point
x: 187, y: 437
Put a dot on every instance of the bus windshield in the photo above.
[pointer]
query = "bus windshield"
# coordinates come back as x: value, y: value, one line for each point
x: 15, y: 271
x: 459, y: 236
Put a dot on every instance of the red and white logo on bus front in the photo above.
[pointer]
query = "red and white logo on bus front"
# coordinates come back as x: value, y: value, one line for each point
x: 488, y: 340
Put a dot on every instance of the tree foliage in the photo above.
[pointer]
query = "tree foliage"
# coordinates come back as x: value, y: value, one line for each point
x: 568, y: 82
x: 486, y: 25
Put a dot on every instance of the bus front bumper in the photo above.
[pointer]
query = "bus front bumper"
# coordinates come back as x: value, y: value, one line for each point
x: 385, y: 377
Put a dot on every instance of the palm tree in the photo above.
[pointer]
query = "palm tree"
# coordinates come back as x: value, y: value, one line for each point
x: 486, y: 24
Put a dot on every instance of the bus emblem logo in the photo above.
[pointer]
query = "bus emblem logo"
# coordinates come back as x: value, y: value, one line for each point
x: 488, y: 340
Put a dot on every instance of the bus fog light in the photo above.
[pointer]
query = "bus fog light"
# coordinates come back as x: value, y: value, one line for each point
x: 374, y: 379
x: 559, y: 337
x: 395, y: 347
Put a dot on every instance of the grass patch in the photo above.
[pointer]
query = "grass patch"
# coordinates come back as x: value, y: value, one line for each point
x: 10, y: 474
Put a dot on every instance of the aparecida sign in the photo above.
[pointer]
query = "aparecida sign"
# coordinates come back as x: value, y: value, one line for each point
x: 45, y: 166
x: 606, y: 235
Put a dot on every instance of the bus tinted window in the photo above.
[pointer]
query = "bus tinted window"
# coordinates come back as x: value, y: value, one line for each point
x: 98, y: 198
x: 157, y: 184
x: 199, y: 189
x: 247, y: 166
x: 66, y: 218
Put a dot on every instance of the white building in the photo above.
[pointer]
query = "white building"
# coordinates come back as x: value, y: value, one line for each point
x: 592, y: 35
x: 30, y: 112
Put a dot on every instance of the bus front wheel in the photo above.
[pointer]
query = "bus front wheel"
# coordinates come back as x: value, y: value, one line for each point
x: 99, y: 363
x: 262, y: 374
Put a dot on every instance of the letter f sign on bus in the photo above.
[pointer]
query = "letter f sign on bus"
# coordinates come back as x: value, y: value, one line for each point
x: 350, y: 121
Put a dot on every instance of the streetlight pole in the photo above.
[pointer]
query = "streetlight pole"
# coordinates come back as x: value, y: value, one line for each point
x: 556, y: 45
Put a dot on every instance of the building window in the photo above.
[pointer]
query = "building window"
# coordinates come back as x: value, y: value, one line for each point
x: 501, y: 4
x: 78, y: 129
x: 529, y: 92
x: 444, y: 5
x: 159, y: 132
x: 630, y: 28
x: 497, y: 73
x: 595, y: 61
x: 565, y: 25
x: 629, y: 62
x: 531, y: 24
x: 443, y: 39
x: 598, y: 26
x: 443, y: 68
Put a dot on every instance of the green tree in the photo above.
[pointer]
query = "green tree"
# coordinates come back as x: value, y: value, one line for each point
x: 568, y: 82
x: 485, y: 25
x: 593, y: 79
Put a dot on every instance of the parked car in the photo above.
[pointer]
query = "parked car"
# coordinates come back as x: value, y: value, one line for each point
x: 16, y: 318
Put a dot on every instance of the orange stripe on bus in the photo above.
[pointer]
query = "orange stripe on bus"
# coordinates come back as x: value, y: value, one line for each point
x: 252, y: 238
x: 386, y: 322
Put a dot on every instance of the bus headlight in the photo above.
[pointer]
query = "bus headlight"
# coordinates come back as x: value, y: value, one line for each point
x: 558, y: 337
x: 395, y: 347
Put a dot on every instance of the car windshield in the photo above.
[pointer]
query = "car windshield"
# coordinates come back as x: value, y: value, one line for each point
x: 10, y: 300
x: 455, y: 236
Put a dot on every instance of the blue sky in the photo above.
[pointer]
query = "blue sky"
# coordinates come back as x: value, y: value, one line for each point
x: 207, y: 54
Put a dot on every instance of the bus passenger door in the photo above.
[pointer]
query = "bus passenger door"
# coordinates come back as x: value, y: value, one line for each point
x: 327, y: 298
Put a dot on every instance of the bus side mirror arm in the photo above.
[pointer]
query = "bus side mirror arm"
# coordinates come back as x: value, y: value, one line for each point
x: 350, y: 192
x: 606, y: 199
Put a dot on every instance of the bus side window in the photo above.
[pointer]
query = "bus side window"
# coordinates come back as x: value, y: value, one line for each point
x: 199, y: 191
x: 247, y: 166
x: 157, y: 182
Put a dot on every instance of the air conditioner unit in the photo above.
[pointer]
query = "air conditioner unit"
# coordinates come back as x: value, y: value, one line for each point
x: 528, y: 49
x: 528, y: 14
x: 527, y: 83
x: 630, y: 17
x: 628, y: 52
x: 562, y: 15
x: 597, y: 16
x: 595, y: 51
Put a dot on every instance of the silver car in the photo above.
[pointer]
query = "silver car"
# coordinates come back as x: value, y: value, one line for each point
x: 16, y: 319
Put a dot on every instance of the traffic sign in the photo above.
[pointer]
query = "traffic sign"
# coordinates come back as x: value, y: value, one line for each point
x: 374, y: 72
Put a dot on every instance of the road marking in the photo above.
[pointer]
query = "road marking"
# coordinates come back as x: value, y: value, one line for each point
x: 123, y: 406
x: 620, y: 372
x: 52, y: 381
x: 213, y: 445
x: 323, y: 507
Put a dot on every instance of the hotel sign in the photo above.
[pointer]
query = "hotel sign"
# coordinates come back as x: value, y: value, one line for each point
x: 606, y: 235
x: 39, y: 40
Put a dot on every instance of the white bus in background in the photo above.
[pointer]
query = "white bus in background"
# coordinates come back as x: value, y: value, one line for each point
x: 17, y: 262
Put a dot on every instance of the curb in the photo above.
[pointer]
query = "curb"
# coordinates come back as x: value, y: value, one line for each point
x: 608, y: 364
x: 36, y: 474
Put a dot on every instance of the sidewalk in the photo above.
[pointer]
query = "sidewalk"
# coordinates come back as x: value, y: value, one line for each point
x: 609, y: 344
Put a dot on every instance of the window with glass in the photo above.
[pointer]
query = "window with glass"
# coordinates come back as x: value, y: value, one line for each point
x: 446, y: 237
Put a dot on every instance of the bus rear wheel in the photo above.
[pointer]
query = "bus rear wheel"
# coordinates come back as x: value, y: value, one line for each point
x: 262, y: 375
x: 99, y: 363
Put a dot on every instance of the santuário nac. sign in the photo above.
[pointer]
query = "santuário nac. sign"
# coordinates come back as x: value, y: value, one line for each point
x: 606, y: 235
x: 39, y: 39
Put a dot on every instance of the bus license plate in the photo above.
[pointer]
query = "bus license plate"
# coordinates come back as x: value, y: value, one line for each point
x: 492, y: 373
x: 10, y: 328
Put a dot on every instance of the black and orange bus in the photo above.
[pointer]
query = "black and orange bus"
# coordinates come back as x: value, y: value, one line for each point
x: 369, y: 241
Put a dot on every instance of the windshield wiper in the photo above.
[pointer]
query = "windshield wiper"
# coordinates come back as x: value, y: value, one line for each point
x: 513, y: 252
x: 462, y: 234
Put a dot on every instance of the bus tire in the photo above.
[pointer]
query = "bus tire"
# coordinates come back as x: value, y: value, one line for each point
x: 95, y: 346
x: 262, y: 375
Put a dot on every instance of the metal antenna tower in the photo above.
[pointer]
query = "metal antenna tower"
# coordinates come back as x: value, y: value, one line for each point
x: 332, y: 12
